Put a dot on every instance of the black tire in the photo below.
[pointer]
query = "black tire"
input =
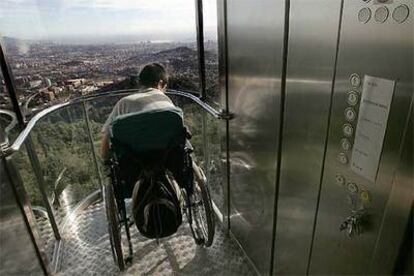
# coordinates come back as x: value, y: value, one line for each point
x: 203, y: 218
x: 114, y: 227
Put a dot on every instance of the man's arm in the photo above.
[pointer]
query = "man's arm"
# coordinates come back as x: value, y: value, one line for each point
x: 105, y: 145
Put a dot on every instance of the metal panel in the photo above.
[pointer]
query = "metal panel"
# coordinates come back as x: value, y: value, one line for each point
x: 395, y: 219
x: 309, y: 82
x: 224, y: 126
x: 19, y: 255
x: 382, y: 50
x: 255, y: 58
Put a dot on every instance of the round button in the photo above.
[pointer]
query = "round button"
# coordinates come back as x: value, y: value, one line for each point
x: 381, y: 14
x: 364, y: 15
x: 345, y: 144
x: 342, y: 158
x: 400, y: 13
x: 352, y: 188
x: 365, y: 196
x: 340, y: 179
x: 352, y: 98
x: 347, y: 130
x: 350, y: 114
x: 355, y: 80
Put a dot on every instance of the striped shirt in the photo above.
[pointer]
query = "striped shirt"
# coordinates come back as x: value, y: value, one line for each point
x: 148, y: 99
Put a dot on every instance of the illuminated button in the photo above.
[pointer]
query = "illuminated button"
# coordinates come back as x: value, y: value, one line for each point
x: 345, y: 144
x: 340, y: 179
x: 352, y: 98
x: 365, y: 196
x: 381, y: 14
x: 355, y: 80
x: 342, y: 158
x: 364, y: 15
x: 347, y: 130
x: 400, y: 13
x: 352, y: 188
x: 350, y: 114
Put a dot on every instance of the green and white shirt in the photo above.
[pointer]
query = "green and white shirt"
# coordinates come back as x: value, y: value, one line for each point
x: 148, y: 99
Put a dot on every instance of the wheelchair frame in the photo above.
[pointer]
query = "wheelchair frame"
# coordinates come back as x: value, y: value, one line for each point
x: 117, y: 218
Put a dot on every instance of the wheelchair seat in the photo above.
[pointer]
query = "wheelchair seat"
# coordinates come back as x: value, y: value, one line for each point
x: 148, y: 141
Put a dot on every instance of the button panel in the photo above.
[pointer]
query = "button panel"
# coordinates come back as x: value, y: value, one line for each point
x: 348, y: 130
x: 352, y: 98
x: 355, y: 80
x: 400, y: 13
x: 381, y: 14
x: 352, y: 188
x: 345, y: 144
x: 342, y: 158
x: 364, y: 15
x: 350, y: 114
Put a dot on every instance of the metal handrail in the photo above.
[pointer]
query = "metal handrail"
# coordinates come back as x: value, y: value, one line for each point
x: 83, y: 99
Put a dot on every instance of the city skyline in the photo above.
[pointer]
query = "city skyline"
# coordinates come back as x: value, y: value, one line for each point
x: 103, y: 21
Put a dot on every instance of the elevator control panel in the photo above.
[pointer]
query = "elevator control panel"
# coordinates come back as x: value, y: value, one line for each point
x: 381, y: 14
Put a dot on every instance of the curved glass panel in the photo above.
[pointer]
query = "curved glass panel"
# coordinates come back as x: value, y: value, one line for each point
x: 61, y: 50
x: 8, y: 120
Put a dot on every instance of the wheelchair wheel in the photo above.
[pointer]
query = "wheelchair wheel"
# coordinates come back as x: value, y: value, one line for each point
x: 203, y: 224
x: 114, y: 227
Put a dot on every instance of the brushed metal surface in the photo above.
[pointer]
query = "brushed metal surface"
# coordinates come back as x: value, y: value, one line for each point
x: 255, y: 58
x: 396, y: 215
x: 17, y: 255
x: 309, y: 80
x: 384, y: 51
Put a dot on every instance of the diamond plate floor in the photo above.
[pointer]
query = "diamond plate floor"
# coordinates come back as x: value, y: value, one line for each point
x: 87, y: 251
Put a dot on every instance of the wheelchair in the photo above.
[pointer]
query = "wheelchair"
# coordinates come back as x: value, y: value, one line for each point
x: 148, y: 144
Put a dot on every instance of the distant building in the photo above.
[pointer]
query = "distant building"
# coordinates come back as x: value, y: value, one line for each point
x: 35, y: 84
x: 48, y: 83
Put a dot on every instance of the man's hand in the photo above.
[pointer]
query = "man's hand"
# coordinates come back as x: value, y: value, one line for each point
x: 105, y: 146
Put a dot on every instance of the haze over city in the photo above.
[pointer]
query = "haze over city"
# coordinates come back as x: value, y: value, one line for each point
x: 103, y: 21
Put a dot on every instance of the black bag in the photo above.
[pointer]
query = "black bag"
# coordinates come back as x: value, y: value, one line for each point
x: 156, y: 207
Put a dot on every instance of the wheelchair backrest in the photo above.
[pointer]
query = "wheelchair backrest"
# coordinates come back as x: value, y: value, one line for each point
x: 148, y: 131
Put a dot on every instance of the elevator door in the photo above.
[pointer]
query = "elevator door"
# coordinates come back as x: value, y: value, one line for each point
x: 371, y: 100
x: 255, y: 58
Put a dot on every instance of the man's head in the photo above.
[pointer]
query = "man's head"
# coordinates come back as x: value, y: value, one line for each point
x: 154, y: 75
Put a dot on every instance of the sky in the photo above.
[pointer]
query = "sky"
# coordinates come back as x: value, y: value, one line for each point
x: 89, y: 20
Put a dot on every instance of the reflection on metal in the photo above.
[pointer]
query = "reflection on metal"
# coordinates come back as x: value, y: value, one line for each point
x: 255, y: 59
x: 223, y: 83
x: 395, y: 217
x: 308, y: 94
x: 362, y: 50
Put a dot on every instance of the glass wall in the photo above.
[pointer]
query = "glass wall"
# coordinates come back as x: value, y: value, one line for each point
x: 63, y: 49
x: 8, y: 119
x: 211, y: 52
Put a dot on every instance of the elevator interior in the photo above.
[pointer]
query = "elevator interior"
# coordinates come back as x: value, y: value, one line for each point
x: 316, y: 138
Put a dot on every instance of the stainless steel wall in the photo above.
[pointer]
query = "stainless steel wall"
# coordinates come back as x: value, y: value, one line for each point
x: 255, y: 57
x: 313, y: 33
x: 373, y: 42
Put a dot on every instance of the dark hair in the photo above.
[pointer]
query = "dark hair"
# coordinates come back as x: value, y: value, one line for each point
x: 152, y: 74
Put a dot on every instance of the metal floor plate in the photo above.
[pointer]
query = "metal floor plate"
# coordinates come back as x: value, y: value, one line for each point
x: 87, y: 251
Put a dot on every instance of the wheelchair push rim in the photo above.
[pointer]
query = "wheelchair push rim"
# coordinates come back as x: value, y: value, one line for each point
x: 114, y: 227
x: 202, y: 223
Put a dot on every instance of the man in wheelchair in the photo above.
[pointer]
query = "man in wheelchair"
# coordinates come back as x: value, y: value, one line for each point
x: 145, y: 146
